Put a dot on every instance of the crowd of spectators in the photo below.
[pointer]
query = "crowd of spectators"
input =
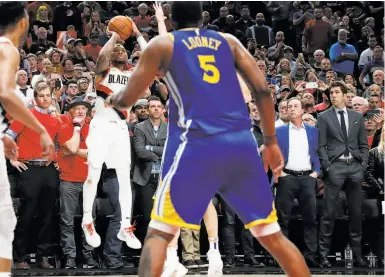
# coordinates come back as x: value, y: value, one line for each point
x: 301, y: 47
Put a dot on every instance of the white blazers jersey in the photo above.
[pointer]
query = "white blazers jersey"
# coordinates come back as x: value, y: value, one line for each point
x: 3, y: 120
x: 114, y: 81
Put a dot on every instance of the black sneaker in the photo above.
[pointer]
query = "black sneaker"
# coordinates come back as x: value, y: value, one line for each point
x: 229, y: 262
x: 190, y: 264
x: 89, y: 262
x: 201, y: 263
x: 252, y: 262
x: 70, y: 263
x: 115, y: 265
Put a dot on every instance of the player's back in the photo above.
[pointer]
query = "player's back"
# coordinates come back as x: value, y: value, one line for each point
x: 203, y: 84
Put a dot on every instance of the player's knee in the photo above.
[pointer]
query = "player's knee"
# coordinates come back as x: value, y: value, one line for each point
x: 262, y: 230
x: 7, y: 227
x: 163, y: 227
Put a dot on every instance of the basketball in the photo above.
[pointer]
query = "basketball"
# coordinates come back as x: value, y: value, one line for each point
x: 121, y: 25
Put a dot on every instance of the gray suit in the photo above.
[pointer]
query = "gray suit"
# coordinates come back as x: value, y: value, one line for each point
x: 342, y: 174
x: 144, y: 135
x: 146, y: 182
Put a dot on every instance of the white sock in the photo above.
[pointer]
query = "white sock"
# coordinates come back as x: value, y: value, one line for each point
x: 172, y: 254
x: 125, y: 223
x: 5, y: 274
x: 214, y: 244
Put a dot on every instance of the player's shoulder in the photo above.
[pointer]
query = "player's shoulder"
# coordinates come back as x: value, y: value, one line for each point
x: 8, y: 50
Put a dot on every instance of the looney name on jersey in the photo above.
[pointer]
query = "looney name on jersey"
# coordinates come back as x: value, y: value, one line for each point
x: 201, y: 41
x: 117, y: 79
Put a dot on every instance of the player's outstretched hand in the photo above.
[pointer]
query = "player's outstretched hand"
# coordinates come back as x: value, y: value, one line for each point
x: 274, y: 158
x: 10, y: 148
x: 159, y: 14
x: 48, y: 147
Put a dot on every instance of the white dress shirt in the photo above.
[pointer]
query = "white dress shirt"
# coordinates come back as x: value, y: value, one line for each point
x: 346, y: 124
x: 279, y: 122
x: 299, y: 155
x: 28, y: 97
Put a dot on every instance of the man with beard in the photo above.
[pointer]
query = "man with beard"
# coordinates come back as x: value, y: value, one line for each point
x: 245, y: 21
x: 308, y: 103
x: 326, y: 66
x: 264, y: 33
x: 152, y: 31
x: 283, y: 116
x: 343, y: 55
x: 221, y: 21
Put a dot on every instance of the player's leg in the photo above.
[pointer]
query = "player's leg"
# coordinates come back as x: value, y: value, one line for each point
x: 172, y: 266
x: 215, y: 260
x: 249, y: 195
x: 90, y: 188
x: 126, y: 232
x: 7, y: 219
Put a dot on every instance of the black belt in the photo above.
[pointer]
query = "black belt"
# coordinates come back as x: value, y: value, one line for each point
x: 297, y: 173
x: 347, y: 160
x: 36, y: 163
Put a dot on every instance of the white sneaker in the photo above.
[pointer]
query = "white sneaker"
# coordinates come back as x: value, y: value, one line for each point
x: 171, y: 267
x: 92, y: 238
x: 127, y: 235
x: 215, y: 263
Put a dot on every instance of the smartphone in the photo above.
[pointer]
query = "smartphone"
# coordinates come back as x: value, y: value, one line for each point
x: 57, y: 84
x: 311, y: 85
x: 371, y: 113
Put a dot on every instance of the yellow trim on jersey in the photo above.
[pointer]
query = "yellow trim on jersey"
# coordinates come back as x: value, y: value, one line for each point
x: 189, y: 29
x: 270, y: 219
x: 171, y: 37
x: 169, y: 214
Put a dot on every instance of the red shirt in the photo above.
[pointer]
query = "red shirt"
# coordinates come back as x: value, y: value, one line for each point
x: 28, y: 140
x: 72, y: 168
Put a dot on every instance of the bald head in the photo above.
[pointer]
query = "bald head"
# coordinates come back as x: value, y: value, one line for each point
x: 342, y: 36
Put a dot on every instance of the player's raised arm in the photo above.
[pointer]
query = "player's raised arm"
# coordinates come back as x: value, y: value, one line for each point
x: 157, y: 52
x: 104, y: 57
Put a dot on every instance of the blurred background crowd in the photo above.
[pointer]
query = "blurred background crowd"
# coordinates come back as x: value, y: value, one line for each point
x: 301, y: 47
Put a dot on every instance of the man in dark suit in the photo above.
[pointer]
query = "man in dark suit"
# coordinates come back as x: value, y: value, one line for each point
x: 299, y: 143
x: 343, y: 152
x: 148, y: 141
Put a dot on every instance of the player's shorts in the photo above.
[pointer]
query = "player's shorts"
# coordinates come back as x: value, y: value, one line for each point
x: 108, y: 142
x: 197, y: 167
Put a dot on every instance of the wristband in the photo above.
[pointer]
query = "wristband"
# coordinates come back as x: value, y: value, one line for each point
x: 77, y: 124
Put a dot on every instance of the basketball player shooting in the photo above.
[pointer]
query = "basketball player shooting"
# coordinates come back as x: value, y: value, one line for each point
x: 108, y: 140
x: 212, y: 150
x: 14, y: 26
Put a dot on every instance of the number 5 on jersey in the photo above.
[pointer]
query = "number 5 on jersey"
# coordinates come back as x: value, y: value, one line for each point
x: 211, y: 73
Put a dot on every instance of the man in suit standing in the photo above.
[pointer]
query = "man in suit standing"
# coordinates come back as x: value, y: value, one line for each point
x: 148, y: 141
x: 343, y: 152
x: 299, y: 143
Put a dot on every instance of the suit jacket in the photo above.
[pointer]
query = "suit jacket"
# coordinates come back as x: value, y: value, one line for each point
x: 312, y: 138
x: 331, y: 142
x: 375, y: 170
x: 144, y: 135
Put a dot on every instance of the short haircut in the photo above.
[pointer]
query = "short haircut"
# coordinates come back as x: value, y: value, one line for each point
x: 295, y: 98
x: 40, y: 86
x: 372, y: 36
x: 153, y: 98
x: 186, y: 13
x: 339, y: 84
x: 11, y: 13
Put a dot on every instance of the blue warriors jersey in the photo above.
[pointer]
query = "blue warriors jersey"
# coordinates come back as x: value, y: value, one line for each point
x: 205, y: 94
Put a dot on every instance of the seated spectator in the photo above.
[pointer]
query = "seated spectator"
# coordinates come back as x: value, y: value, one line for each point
x: 93, y: 25
x: 319, y: 55
x: 360, y: 104
x: 32, y: 59
x: 371, y: 128
x: 283, y: 114
x: 42, y: 43
x: 309, y: 119
x: 22, y: 90
x: 71, y: 92
x: 374, y: 101
x: 133, y: 10
x: 68, y: 70
x: 326, y: 66
x: 80, y: 56
x: 350, y: 94
x: 152, y: 31
x: 308, y: 103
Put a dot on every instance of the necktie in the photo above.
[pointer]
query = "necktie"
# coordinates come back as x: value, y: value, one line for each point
x: 344, y: 133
